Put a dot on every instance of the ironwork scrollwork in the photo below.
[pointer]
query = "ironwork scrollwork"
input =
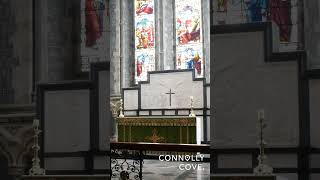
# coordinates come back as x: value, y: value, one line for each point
x: 126, y: 164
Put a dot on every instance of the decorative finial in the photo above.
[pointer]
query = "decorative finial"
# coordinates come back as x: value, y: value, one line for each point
x: 262, y: 169
x: 36, y: 169
x: 116, y: 108
x: 192, y: 114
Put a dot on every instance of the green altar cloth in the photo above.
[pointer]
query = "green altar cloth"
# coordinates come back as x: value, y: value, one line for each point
x: 157, y: 129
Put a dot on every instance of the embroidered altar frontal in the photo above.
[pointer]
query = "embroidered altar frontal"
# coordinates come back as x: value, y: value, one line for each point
x: 157, y: 129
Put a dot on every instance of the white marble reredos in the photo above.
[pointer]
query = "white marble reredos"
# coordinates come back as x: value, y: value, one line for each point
x: 153, y: 94
x: 130, y: 101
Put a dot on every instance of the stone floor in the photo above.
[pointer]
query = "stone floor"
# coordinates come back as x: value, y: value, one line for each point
x: 157, y: 170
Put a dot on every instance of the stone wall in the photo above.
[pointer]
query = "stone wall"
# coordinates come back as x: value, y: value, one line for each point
x: 22, y: 50
x: 16, y: 52
x: 243, y: 84
x: 58, y: 39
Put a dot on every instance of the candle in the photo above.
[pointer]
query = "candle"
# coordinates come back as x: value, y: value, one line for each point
x: 261, y: 114
x: 35, y: 122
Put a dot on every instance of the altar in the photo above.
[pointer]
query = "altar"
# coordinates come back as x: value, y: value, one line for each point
x: 182, y: 130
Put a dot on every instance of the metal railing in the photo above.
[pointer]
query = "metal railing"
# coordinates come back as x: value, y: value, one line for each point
x: 127, y: 159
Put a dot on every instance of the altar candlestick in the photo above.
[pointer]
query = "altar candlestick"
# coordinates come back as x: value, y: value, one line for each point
x: 192, y: 114
x: 262, y: 168
x: 35, y: 122
x: 261, y: 114
x: 121, y: 115
x: 36, y: 169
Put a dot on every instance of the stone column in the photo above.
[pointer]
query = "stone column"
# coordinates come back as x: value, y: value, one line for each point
x: 127, y: 42
x: 41, y: 53
x: 168, y: 37
x: 206, y: 38
x: 158, y: 35
x: 115, y: 59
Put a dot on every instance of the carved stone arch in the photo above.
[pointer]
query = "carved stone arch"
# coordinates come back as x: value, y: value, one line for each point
x: 15, y: 142
x: 4, y: 146
x: 4, y: 151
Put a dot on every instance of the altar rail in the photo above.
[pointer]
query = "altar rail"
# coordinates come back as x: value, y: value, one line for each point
x: 132, y: 155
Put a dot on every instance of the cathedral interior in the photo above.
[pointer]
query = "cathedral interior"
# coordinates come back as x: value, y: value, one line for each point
x: 116, y: 89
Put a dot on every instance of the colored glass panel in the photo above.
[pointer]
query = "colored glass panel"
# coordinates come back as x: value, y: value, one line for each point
x: 188, y: 36
x: 282, y: 12
x: 189, y: 57
x: 145, y: 61
x: 144, y: 32
x: 94, y: 23
x: 144, y: 39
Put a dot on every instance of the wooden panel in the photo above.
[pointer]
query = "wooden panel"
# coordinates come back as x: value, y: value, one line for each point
x: 105, y: 120
x: 64, y: 163
x: 234, y: 161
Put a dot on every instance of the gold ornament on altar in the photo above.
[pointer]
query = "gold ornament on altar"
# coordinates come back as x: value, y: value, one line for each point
x: 155, y: 138
x: 36, y: 168
x: 263, y: 169
x: 192, y: 114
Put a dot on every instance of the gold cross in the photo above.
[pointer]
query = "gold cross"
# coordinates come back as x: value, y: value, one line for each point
x: 154, y: 138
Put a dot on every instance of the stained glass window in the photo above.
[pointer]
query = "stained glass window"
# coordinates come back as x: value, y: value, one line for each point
x: 282, y: 12
x: 94, y: 22
x: 144, y: 39
x: 188, y: 35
